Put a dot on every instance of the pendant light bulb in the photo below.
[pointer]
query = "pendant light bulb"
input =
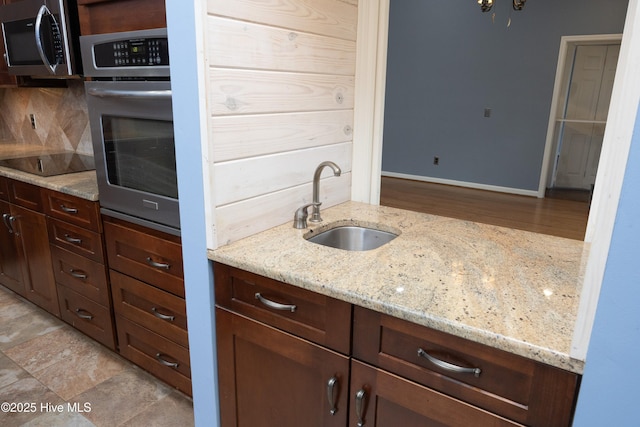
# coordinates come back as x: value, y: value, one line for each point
x: 486, y: 5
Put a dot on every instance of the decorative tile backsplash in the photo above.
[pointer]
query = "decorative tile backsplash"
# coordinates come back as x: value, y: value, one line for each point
x: 60, y: 115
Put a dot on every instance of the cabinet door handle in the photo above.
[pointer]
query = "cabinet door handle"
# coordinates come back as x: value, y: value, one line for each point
x: 6, y: 219
x: 160, y: 359
x: 449, y: 366
x: 154, y: 264
x: 162, y: 316
x: 275, y: 305
x: 332, y: 394
x: 78, y: 274
x: 83, y: 314
x: 68, y: 210
x: 12, y: 221
x: 361, y: 397
x: 73, y: 240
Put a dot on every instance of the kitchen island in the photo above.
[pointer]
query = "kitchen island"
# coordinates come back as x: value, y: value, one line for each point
x: 509, y: 289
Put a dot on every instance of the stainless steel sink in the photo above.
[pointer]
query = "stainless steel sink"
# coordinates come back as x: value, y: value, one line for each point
x: 352, y: 238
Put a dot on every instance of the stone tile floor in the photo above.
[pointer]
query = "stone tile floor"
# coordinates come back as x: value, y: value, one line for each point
x: 52, y: 375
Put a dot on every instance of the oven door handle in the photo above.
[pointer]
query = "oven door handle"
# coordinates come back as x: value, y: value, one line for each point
x: 114, y: 93
x: 44, y: 10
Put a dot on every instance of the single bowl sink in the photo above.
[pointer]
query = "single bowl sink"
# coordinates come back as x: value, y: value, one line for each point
x: 353, y: 238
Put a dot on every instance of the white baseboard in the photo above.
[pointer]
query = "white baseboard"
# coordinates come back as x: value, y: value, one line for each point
x: 518, y: 191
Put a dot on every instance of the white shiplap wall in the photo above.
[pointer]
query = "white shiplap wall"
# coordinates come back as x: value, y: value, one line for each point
x: 280, y: 93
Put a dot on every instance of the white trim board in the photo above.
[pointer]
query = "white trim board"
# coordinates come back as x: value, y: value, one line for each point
x: 475, y: 185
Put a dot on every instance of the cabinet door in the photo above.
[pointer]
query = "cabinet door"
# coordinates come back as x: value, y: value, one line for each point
x: 11, y: 274
x: 110, y: 16
x: 381, y: 399
x: 33, y: 242
x: 271, y: 378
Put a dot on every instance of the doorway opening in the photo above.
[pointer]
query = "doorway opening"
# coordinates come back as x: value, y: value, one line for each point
x: 582, y: 94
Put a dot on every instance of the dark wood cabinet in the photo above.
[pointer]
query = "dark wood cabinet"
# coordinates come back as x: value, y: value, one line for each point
x: 110, y: 16
x: 25, y: 259
x: 499, y: 382
x: 271, y: 378
x: 270, y: 355
x: 79, y: 265
x: 381, y: 399
x: 148, y: 255
x: 147, y: 284
x: 30, y: 230
x: 10, y: 257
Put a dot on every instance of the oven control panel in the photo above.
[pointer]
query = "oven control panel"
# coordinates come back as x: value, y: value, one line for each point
x: 132, y: 53
x: 127, y: 55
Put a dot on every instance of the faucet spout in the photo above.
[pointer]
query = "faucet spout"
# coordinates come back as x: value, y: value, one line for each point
x: 315, y: 214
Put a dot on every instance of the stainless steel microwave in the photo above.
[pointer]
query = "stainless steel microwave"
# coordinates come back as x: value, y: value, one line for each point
x: 41, y: 38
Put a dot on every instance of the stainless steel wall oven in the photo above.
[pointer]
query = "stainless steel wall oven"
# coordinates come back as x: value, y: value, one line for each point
x: 131, y: 118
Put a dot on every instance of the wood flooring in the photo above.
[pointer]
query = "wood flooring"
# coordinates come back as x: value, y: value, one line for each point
x: 558, y: 217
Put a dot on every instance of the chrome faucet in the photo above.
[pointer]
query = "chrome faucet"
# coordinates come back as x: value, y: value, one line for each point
x: 315, y: 213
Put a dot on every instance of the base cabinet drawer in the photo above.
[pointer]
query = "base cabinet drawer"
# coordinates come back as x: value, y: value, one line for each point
x: 76, y: 239
x: 154, y: 353
x: 512, y: 386
x: 145, y: 254
x: 312, y: 316
x: 156, y: 310
x: 81, y: 274
x: 87, y: 316
x: 74, y: 210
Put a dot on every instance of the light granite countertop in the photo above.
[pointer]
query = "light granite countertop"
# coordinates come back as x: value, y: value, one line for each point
x: 80, y: 184
x: 513, y: 290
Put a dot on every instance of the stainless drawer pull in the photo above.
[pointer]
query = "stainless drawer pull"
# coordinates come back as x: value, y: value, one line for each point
x: 161, y: 265
x: 332, y: 394
x: 275, y: 305
x: 449, y: 366
x: 73, y: 240
x: 78, y: 274
x: 360, y: 403
x: 162, y: 316
x: 68, y: 210
x: 83, y: 314
x: 160, y: 359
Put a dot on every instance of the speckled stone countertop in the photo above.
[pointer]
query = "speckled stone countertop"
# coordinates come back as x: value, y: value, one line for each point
x: 510, y: 289
x: 80, y: 184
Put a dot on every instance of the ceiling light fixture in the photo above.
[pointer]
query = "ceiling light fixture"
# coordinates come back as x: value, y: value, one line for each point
x: 486, y: 5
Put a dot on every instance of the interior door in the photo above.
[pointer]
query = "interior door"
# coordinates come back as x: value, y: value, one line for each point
x: 582, y: 128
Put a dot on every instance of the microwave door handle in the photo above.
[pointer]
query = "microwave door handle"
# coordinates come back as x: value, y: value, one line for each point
x: 44, y: 10
x: 114, y: 93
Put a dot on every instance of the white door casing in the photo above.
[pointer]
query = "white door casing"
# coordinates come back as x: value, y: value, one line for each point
x: 584, y: 117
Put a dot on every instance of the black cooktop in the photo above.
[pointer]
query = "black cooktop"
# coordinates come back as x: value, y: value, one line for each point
x: 51, y: 164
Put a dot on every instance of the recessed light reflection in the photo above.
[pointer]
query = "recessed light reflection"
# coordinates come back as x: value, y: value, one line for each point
x: 547, y: 292
x: 400, y: 289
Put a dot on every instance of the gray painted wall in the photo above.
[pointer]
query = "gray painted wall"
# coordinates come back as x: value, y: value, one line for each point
x: 447, y: 62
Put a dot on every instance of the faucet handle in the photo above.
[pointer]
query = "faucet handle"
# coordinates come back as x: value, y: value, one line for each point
x: 300, y: 217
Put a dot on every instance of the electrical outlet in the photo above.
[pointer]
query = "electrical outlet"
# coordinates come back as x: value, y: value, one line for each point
x: 32, y: 117
x: 436, y: 160
x: 487, y: 112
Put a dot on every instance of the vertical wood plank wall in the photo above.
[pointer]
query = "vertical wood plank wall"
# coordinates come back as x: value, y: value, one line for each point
x: 281, y: 78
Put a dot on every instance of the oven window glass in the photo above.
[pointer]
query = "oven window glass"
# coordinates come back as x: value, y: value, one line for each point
x: 140, y: 154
